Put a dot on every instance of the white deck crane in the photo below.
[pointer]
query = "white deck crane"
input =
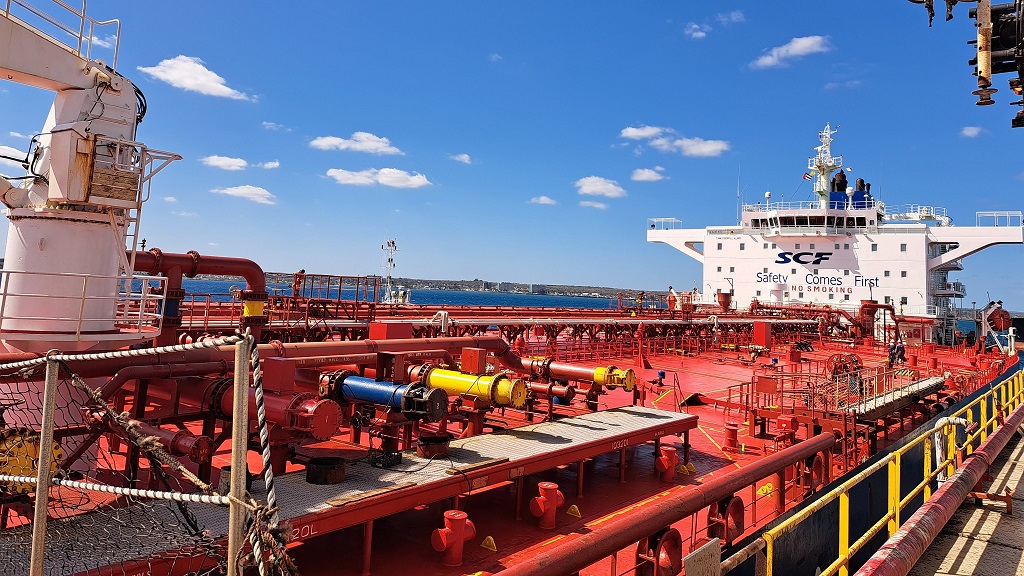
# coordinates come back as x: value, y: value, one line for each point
x: 74, y: 216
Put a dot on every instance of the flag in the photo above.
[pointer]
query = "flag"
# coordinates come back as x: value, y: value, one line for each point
x: 807, y: 176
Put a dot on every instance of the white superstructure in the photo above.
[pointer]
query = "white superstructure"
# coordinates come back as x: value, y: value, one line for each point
x: 842, y: 248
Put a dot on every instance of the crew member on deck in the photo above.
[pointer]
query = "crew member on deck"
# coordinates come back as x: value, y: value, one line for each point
x: 297, y: 280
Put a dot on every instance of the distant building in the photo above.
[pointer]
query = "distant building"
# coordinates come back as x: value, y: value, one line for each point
x: 506, y: 287
x: 485, y: 285
x: 538, y: 289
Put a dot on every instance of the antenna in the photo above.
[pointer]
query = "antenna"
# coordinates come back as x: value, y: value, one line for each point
x: 739, y: 198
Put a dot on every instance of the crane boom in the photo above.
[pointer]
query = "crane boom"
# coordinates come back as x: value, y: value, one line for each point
x: 29, y: 57
x: 75, y: 214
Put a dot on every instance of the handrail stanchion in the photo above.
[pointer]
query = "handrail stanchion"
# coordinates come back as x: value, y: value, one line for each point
x: 239, y: 451
x: 43, y: 477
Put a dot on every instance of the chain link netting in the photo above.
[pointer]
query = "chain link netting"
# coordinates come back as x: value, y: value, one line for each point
x: 87, y: 528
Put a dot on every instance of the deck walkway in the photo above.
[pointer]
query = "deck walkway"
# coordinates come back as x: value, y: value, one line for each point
x: 983, y: 540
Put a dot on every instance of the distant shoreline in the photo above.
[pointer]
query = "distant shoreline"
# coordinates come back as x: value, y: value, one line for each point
x: 477, y: 285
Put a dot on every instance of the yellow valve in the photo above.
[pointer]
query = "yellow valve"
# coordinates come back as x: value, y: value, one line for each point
x: 499, y: 389
x: 252, y: 308
x: 613, y: 377
x: 509, y: 391
x: 19, y: 456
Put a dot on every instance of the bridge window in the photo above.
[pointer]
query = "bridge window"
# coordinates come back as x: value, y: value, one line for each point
x: 743, y: 246
x: 765, y: 245
x: 719, y: 268
x: 903, y: 247
x: 886, y: 273
x: 719, y: 245
x: 732, y: 268
x: 903, y: 300
x: 812, y: 246
x: 874, y: 247
x: 903, y: 273
x: 845, y: 246
x: 888, y: 300
x: 837, y: 246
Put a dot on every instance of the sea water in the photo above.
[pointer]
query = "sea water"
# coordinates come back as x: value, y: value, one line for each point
x: 220, y: 291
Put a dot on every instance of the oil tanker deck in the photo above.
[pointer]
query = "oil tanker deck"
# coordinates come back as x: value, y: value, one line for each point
x: 317, y: 423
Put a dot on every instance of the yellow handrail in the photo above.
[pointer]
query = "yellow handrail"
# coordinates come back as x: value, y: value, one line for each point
x: 1007, y: 394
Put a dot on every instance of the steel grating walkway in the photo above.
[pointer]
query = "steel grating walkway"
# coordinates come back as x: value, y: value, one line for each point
x: 882, y: 404
x: 368, y: 492
x: 417, y: 480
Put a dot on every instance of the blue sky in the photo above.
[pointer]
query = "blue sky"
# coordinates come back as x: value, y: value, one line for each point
x: 530, y: 141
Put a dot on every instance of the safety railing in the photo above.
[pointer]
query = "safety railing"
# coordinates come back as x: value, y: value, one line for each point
x: 33, y: 303
x: 984, y: 412
x: 73, y: 22
x: 1001, y: 218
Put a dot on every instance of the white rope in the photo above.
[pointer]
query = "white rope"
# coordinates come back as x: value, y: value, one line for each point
x: 135, y: 352
x: 212, y: 499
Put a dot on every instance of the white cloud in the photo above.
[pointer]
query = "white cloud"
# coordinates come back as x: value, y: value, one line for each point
x: 14, y: 152
x: 589, y: 204
x: 695, y: 147
x: 253, y: 193
x: 846, y: 84
x: 224, y: 162
x: 185, y: 214
x: 171, y: 199
x: 269, y: 165
x: 641, y: 132
x: 396, y: 178
x: 105, y: 42
x: 495, y: 57
x: 695, y: 31
x: 542, y: 200
x: 598, y: 186
x: 795, y: 48
x: 970, y: 131
x: 391, y: 177
x: 648, y: 174
x: 276, y: 127
x: 701, y: 148
x: 464, y: 158
x: 360, y: 142
x: 188, y: 73
x: 19, y: 135
x: 347, y: 177
x: 734, y: 17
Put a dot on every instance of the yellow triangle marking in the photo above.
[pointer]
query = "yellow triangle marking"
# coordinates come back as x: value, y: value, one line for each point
x: 574, y: 511
x: 691, y: 467
x: 489, y: 544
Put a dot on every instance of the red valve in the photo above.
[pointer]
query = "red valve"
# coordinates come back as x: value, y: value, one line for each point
x: 666, y: 463
x: 458, y: 529
x: 544, y: 506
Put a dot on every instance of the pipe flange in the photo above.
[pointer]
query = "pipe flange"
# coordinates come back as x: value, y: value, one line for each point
x: 195, y: 263
x: 217, y: 392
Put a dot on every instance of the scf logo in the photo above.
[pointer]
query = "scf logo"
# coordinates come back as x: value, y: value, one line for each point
x: 803, y: 257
